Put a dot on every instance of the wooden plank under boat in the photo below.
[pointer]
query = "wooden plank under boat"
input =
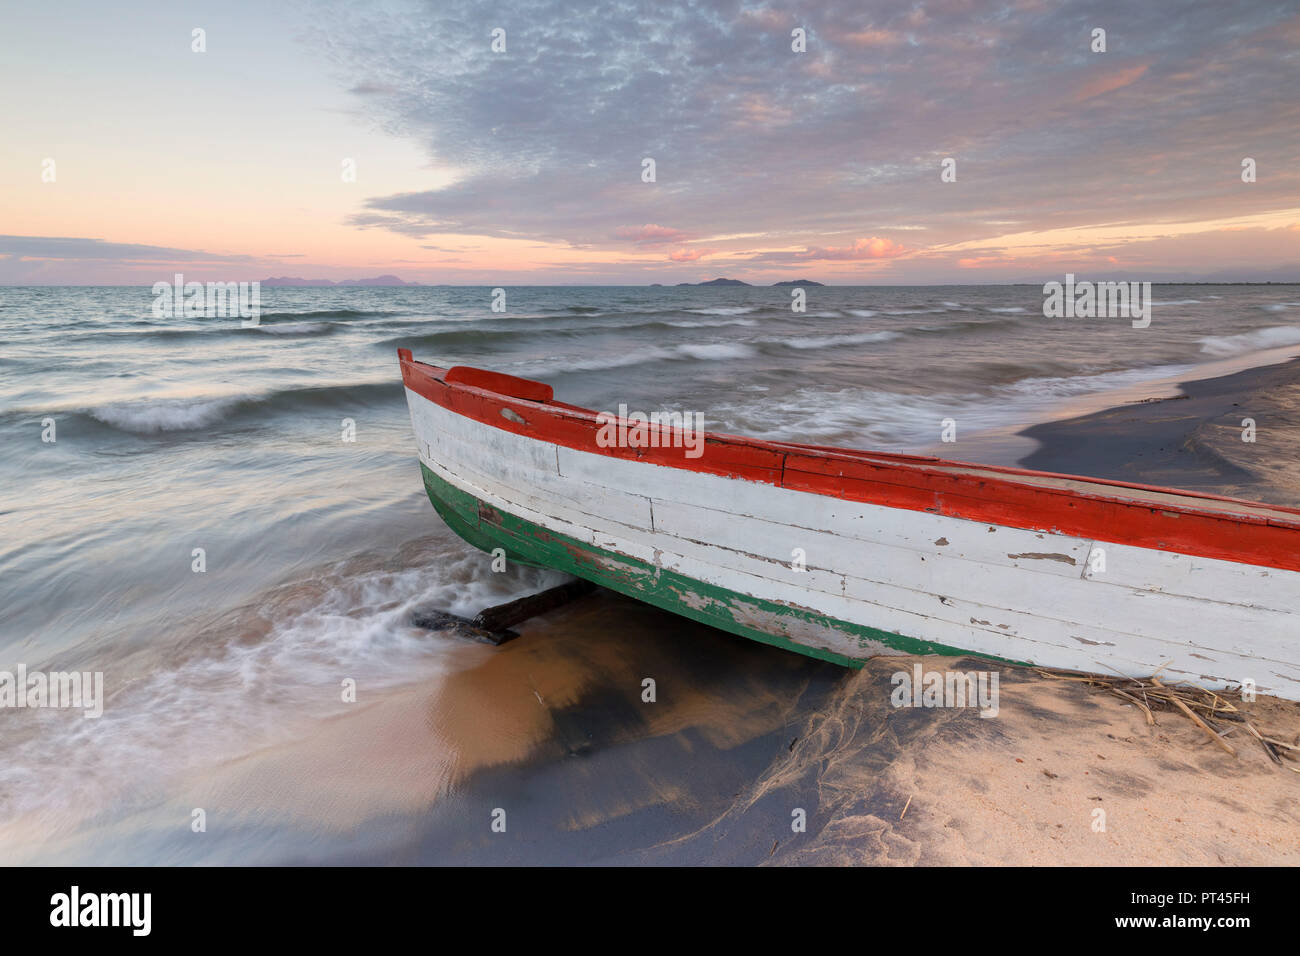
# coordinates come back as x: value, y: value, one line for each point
x: 901, y: 554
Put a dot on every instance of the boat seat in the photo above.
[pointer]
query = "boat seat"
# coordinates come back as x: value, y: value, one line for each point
x: 508, y: 385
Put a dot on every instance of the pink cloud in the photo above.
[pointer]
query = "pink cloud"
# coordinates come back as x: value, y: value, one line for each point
x: 873, y: 38
x: 873, y: 248
x: 650, y: 234
x: 1109, y: 82
x: 688, y: 255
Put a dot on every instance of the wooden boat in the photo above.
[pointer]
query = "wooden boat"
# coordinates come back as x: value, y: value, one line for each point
x: 845, y: 555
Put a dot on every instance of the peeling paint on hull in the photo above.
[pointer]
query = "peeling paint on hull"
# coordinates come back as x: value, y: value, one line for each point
x: 789, y: 627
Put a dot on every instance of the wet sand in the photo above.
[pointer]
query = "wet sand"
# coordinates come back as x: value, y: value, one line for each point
x: 1192, y: 441
x: 553, y: 730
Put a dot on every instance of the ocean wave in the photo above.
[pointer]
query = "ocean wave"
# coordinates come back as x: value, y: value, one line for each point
x: 687, y: 324
x: 1279, y: 306
x: 717, y: 351
x: 724, y: 310
x: 326, y: 314
x: 957, y: 327
x: 960, y: 327
x: 492, y: 336
x: 867, y: 418
x: 1009, y: 309
x: 260, y: 675
x: 704, y: 352
x: 164, y: 415
x: 295, y: 328
x: 1176, y: 302
x: 217, y: 329
x: 1275, y: 337
x: 833, y: 341
x: 150, y: 416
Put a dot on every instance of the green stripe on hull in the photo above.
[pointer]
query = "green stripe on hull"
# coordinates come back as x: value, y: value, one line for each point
x: 488, y: 528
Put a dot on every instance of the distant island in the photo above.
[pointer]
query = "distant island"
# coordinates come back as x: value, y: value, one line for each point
x: 377, y: 280
x: 716, y: 282
x: 738, y: 282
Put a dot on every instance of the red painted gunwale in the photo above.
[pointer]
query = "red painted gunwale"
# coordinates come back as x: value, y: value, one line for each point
x: 1007, y: 497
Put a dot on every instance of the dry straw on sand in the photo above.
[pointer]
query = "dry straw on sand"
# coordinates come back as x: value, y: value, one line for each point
x: 1216, y: 716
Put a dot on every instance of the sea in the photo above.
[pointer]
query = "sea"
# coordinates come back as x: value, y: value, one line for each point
x: 221, y: 520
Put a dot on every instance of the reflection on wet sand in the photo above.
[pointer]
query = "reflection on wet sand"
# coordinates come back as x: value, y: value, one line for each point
x: 552, y: 730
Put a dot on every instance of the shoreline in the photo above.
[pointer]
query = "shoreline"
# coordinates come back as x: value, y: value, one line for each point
x: 1009, y: 445
x: 1191, y: 439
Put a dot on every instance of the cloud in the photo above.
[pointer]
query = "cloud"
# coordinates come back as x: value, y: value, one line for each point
x: 1110, y: 81
x: 650, y: 234
x: 860, y: 250
x: 67, y: 247
x: 873, y: 248
x: 873, y: 38
x: 688, y: 255
x: 547, y: 139
x: 372, y: 89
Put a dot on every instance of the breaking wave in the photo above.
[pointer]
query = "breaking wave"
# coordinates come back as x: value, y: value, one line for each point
x: 223, y: 692
x: 834, y: 341
x: 150, y: 416
x: 164, y: 415
x: 1275, y: 337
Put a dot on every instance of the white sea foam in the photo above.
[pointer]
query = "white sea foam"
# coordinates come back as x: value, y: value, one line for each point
x: 293, y: 328
x: 1009, y: 310
x: 554, y: 365
x: 725, y: 310
x: 717, y: 351
x: 238, y: 696
x: 705, y: 324
x: 833, y: 341
x: 165, y: 414
x: 1275, y: 337
x: 894, y: 421
x: 638, y: 356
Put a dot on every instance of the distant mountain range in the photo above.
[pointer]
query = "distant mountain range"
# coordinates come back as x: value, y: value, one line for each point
x: 738, y: 282
x: 377, y: 280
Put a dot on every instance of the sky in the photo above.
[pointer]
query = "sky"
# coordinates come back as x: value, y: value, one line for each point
x: 130, y: 156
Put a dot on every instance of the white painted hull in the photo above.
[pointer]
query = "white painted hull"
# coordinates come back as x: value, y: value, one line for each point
x: 1013, y: 594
